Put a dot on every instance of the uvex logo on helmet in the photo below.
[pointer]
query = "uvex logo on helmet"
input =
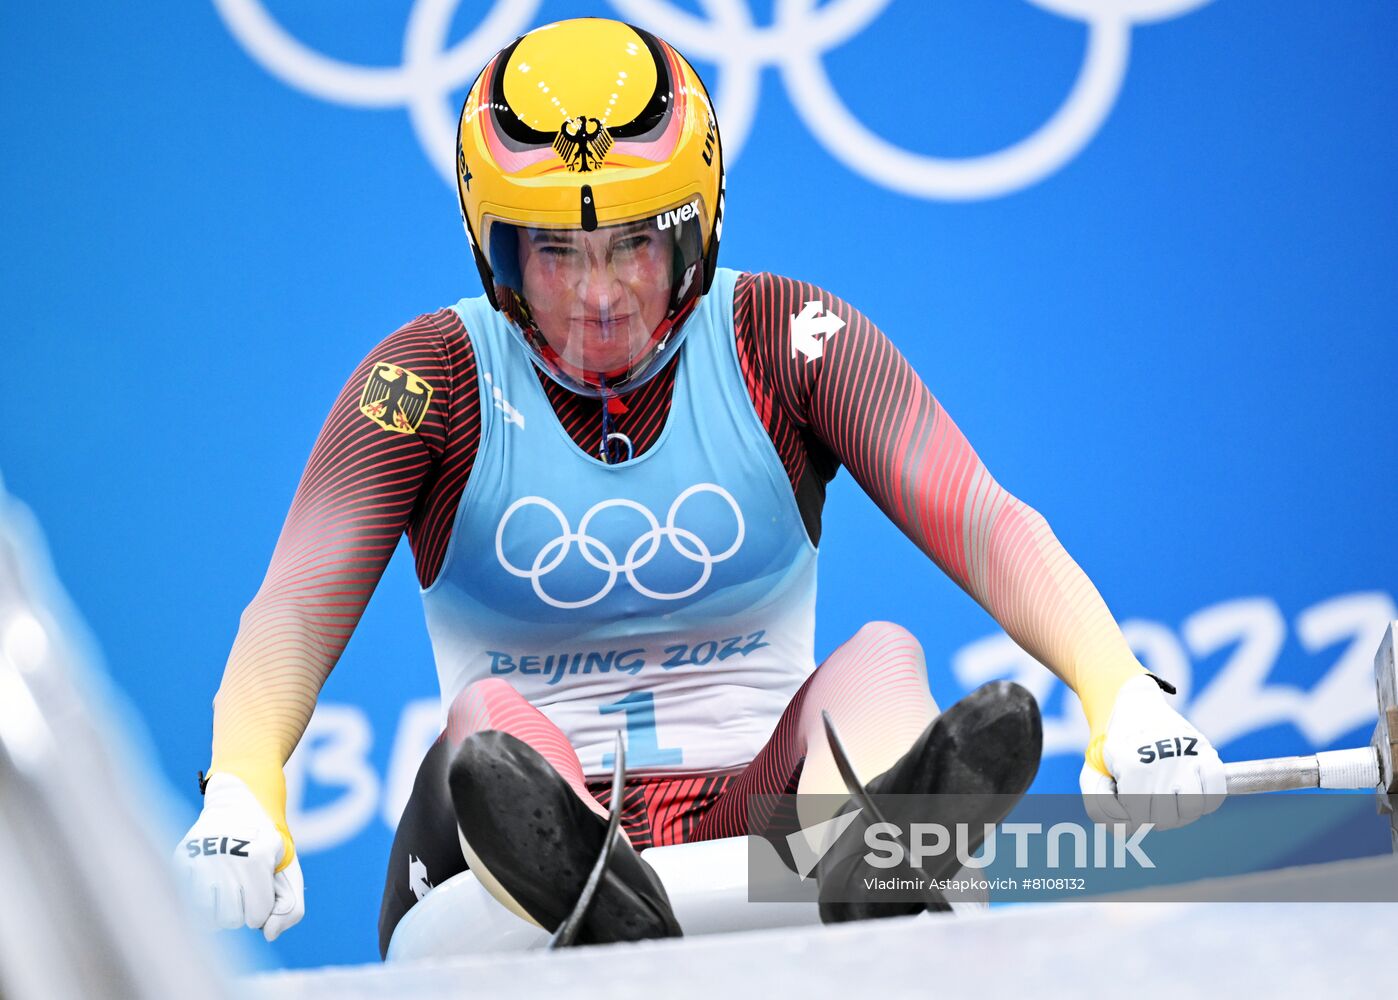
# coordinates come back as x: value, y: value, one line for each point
x: 677, y: 215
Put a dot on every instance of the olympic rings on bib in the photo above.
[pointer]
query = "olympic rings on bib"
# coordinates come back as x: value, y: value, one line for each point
x: 639, y: 552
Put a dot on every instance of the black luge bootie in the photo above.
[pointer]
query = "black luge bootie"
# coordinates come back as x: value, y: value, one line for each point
x: 531, y: 833
x: 984, y: 750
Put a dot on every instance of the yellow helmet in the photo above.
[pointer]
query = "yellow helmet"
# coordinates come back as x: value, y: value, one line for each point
x: 590, y: 178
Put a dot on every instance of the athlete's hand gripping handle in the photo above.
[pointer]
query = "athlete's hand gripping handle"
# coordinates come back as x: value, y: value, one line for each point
x: 232, y: 860
x: 1151, y: 765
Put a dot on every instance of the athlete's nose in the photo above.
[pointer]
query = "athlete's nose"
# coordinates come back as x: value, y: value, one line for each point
x: 600, y: 292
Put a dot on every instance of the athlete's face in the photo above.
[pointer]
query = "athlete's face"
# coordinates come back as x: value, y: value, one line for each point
x: 596, y: 297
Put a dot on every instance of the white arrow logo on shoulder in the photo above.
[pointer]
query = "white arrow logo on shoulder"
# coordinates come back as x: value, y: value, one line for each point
x: 512, y: 416
x: 812, y: 328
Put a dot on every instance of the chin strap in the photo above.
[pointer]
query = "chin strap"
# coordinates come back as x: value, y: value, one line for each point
x: 612, y: 405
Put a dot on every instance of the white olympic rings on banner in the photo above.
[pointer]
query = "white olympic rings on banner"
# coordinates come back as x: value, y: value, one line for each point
x: 640, y: 552
x: 795, y: 43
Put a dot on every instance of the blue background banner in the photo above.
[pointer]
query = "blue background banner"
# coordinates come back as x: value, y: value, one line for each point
x: 1142, y: 250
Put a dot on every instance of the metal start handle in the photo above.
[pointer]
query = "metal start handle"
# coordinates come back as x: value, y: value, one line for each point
x: 1352, y: 769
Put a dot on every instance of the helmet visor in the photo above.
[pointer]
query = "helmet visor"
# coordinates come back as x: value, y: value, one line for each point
x: 600, y: 311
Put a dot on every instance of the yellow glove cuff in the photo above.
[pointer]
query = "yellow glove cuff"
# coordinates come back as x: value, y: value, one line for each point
x: 1094, y: 754
x: 1098, y: 696
x: 268, y: 785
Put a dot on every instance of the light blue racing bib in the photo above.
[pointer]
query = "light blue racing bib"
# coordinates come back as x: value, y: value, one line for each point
x: 670, y: 597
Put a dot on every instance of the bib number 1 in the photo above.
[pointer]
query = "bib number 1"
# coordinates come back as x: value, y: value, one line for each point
x: 642, y: 747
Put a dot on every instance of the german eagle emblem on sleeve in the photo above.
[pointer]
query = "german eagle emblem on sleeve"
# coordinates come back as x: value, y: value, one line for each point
x: 395, y: 398
x: 582, y: 143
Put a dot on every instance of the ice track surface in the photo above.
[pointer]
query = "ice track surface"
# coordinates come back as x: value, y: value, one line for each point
x: 1173, y: 949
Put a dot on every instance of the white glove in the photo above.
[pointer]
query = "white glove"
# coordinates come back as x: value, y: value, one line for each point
x: 1163, y: 770
x: 229, y: 858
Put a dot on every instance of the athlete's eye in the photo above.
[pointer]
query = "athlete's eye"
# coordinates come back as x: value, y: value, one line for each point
x: 558, y: 251
x: 633, y: 244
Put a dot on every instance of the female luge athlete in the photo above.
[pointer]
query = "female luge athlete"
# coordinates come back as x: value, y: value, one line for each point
x: 611, y: 469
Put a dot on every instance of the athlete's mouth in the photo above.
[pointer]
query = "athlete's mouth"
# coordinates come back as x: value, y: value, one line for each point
x: 604, y: 332
x: 608, y: 322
